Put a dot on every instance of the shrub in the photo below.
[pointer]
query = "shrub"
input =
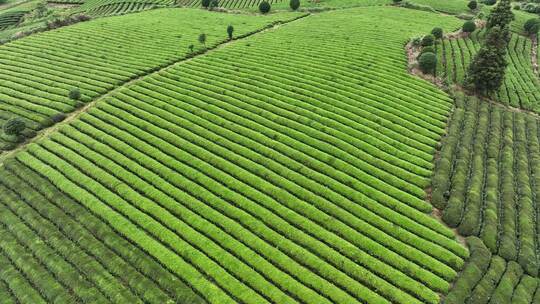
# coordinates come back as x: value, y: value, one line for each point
x: 230, y: 30
x: 75, y: 94
x: 397, y: 1
x: 427, y: 62
x: 532, y: 26
x: 264, y: 7
x: 14, y: 126
x: 202, y: 38
x: 468, y: 26
x: 294, y: 4
x: 472, y: 5
x: 428, y: 40
x: 489, y: 2
x: 205, y: 3
x: 427, y: 49
x: 437, y: 32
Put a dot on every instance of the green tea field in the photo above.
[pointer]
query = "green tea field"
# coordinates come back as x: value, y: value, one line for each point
x: 165, y: 152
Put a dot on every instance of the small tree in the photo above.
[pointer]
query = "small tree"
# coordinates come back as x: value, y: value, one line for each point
x: 487, y: 69
x: 468, y: 27
x: 437, y: 32
x: 264, y: 7
x: 427, y: 40
x: 294, y: 4
x: 427, y: 62
x: 427, y: 49
x: 14, y: 126
x: 472, y: 5
x: 230, y: 30
x: 202, y: 39
x: 191, y: 47
x: 75, y: 94
x: 205, y: 3
x: 532, y: 26
x: 501, y: 15
x: 397, y: 1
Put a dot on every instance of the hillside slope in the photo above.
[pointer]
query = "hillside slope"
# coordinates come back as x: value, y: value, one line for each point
x: 287, y: 167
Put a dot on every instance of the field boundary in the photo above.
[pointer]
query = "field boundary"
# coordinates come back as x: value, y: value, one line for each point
x: 44, y: 133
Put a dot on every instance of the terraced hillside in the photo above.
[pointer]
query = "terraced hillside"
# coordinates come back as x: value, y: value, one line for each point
x: 38, y: 72
x: 521, y: 87
x: 487, y: 179
x: 97, y: 8
x: 271, y: 170
x: 10, y: 19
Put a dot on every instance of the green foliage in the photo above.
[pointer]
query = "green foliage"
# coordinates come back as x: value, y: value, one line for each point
x: 468, y: 26
x: 230, y: 30
x: 202, y: 38
x: 427, y: 49
x: 14, y: 126
x: 74, y: 94
x: 294, y: 4
x: 427, y: 62
x: 501, y: 15
x: 489, y: 2
x: 428, y: 40
x: 205, y: 3
x: 397, y: 1
x: 264, y: 7
x: 472, y: 5
x: 532, y: 26
x: 437, y: 32
x: 213, y: 4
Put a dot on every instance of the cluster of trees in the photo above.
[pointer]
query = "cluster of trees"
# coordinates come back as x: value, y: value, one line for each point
x: 486, y: 71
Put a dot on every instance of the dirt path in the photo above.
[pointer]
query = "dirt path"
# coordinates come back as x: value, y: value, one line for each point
x: 44, y: 133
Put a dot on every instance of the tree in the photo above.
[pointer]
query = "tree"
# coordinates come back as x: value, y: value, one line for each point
x: 75, y: 94
x: 264, y: 7
x: 205, y: 3
x: 437, y: 32
x: 294, y: 4
x: 191, y: 47
x: 468, y: 27
x: 202, y: 39
x: 427, y: 62
x: 397, y: 1
x: 14, y: 126
x: 472, y: 5
x: 427, y: 40
x: 486, y: 71
x: 501, y: 15
x: 532, y: 26
x: 230, y: 30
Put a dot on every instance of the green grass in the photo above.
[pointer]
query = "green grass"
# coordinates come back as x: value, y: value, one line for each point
x: 96, y: 56
x: 287, y: 167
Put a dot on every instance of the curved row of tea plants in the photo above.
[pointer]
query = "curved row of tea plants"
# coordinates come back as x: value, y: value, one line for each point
x: 487, y: 179
x: 253, y: 186
x: 39, y: 71
x: 521, y: 87
x: 54, y: 250
x: 489, y: 278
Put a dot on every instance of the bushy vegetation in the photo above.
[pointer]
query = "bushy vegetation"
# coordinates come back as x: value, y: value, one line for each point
x: 294, y: 4
x: 264, y: 7
x: 468, y: 26
x: 427, y: 62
